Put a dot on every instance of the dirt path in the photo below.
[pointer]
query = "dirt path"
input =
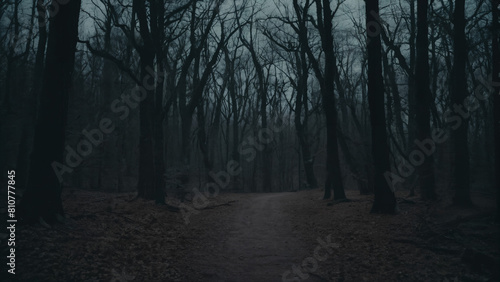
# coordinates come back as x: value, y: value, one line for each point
x: 257, y: 243
x: 258, y: 237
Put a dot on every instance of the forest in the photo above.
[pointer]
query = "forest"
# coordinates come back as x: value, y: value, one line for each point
x: 250, y: 140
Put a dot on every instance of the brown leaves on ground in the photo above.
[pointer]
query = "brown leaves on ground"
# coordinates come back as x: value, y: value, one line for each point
x: 111, y: 237
x: 107, y: 237
x: 423, y: 242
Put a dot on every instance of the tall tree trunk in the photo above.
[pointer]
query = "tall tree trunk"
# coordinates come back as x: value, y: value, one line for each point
x: 146, y: 185
x: 391, y: 75
x: 496, y: 99
x: 159, y: 140
x: 235, y: 111
x: 202, y: 138
x: 325, y: 28
x: 43, y: 195
x: 461, y: 173
x: 40, y: 50
x: 157, y: 32
x: 267, y: 159
x: 32, y: 102
x: 301, y: 125
x: 412, y: 130
x: 385, y: 201
x: 326, y: 79
x: 107, y: 150
x: 424, y: 100
x: 215, y: 130
x: 411, y: 79
x: 186, y: 122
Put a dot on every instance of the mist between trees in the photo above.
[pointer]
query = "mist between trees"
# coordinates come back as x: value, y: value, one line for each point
x: 453, y: 118
x: 222, y: 179
x: 158, y: 96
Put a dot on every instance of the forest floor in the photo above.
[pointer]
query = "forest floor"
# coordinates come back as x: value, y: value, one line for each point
x: 291, y: 236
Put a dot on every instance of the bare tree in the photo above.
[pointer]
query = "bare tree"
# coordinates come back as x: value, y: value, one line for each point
x: 298, y: 67
x: 301, y: 124
x: 324, y: 15
x: 262, y: 91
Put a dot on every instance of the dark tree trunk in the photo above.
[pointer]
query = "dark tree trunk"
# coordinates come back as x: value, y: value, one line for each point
x: 234, y: 105
x: 326, y: 79
x: 395, y: 95
x: 424, y: 100
x: 203, y: 141
x: 157, y: 32
x: 186, y: 122
x: 496, y: 99
x: 31, y: 102
x: 267, y: 159
x: 411, y: 79
x: 43, y: 195
x: 146, y: 186
x: 235, y: 111
x: 412, y: 130
x: 461, y: 173
x: 301, y: 125
x: 385, y: 201
x: 40, y: 50
x: 334, y: 176
x: 159, y: 140
x: 107, y: 150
